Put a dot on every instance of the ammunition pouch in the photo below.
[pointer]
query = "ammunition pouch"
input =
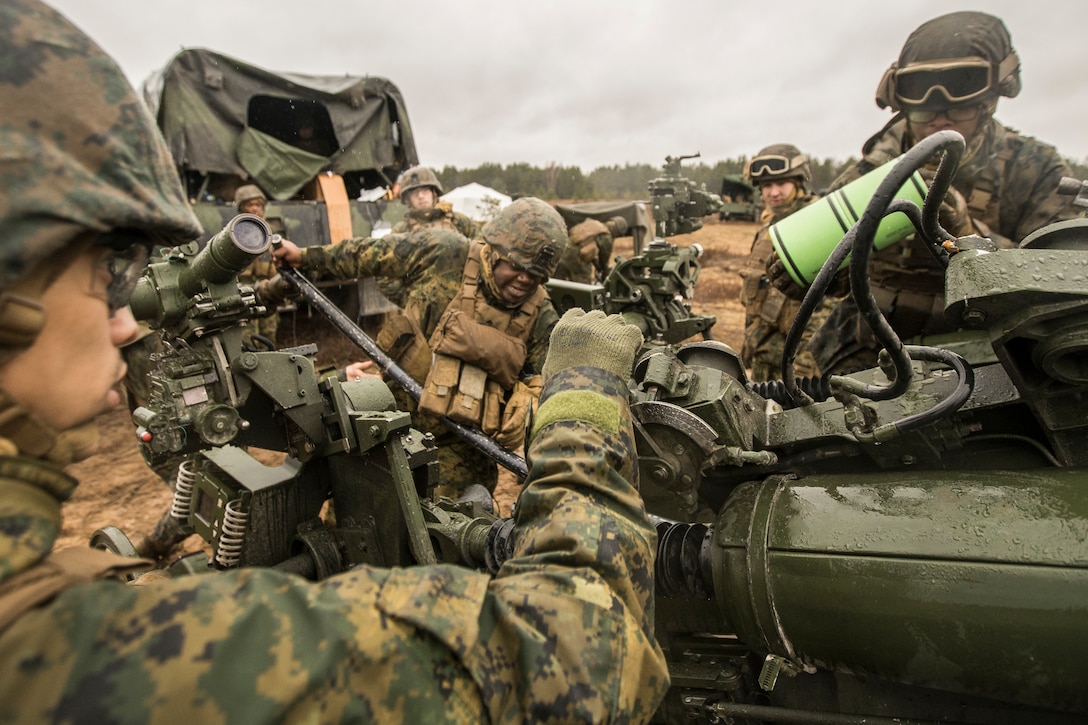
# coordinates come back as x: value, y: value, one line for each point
x: 403, y: 341
x: 462, y: 392
x: 498, y: 354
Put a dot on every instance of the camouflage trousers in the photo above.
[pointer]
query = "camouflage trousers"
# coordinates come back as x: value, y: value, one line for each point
x: 765, y: 342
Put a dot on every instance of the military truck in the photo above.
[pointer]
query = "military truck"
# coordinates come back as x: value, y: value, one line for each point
x: 740, y: 200
x: 325, y: 149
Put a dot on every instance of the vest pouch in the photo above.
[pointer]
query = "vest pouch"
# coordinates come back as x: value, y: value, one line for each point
x: 440, y: 386
x: 467, y: 407
x: 494, y: 396
x: 500, y: 355
x: 405, y: 345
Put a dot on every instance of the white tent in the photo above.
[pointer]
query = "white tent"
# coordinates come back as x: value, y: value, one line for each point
x: 476, y: 201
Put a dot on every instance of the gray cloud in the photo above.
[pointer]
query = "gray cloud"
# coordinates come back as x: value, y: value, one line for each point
x: 612, y: 81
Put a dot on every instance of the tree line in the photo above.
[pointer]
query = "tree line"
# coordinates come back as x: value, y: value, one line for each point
x: 629, y: 181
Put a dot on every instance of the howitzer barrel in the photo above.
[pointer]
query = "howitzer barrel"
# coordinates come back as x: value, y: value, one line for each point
x: 965, y: 582
x: 243, y: 239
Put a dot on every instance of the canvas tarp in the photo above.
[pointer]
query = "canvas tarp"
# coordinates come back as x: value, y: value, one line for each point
x: 221, y: 115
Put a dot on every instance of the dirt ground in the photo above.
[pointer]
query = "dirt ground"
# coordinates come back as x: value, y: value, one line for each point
x: 118, y: 489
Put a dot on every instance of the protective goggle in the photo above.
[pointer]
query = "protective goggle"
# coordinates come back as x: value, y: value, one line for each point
x: 954, y: 113
x: 773, y: 165
x: 957, y: 81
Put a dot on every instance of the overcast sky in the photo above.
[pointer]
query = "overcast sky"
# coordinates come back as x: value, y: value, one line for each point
x: 586, y: 83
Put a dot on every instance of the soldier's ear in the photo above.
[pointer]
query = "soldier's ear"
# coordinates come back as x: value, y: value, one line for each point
x: 885, y: 90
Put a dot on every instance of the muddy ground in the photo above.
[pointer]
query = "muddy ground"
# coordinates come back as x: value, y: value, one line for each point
x: 118, y: 489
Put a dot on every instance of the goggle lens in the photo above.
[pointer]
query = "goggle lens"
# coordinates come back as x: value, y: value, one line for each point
x: 956, y: 84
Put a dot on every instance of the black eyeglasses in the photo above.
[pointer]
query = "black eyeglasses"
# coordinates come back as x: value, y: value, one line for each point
x: 954, y: 113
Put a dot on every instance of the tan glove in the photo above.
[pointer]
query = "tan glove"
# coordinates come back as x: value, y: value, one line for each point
x: 780, y: 278
x: 272, y: 292
x: 515, y: 415
x: 592, y: 339
x: 954, y: 215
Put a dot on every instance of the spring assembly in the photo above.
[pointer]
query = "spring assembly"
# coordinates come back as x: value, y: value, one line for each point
x: 229, y: 551
x: 683, y: 560
x: 816, y: 387
x: 183, y: 491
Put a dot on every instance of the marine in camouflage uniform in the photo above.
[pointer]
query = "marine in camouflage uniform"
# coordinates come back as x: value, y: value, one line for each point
x: 950, y: 73
x: 249, y: 199
x: 563, y: 633
x: 424, y: 211
x: 588, y: 255
x: 528, y: 236
x: 768, y: 312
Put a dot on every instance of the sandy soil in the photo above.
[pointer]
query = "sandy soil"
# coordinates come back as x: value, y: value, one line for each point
x: 118, y: 489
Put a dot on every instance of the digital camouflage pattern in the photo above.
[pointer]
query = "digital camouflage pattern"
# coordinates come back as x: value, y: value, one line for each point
x: 431, y: 262
x: 1010, y: 183
x: 442, y: 216
x: 769, y: 313
x: 530, y: 234
x: 63, y: 173
x: 564, y: 632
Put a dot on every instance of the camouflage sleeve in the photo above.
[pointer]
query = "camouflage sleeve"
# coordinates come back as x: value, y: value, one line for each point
x: 1029, y: 200
x: 584, y: 554
x: 465, y: 226
x: 359, y: 257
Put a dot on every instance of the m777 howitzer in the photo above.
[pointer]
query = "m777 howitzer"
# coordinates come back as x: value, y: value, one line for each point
x: 906, y: 544
x: 653, y: 290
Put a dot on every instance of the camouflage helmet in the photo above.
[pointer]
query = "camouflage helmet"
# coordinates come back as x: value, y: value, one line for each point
x: 415, y: 178
x: 530, y: 234
x: 950, y: 60
x: 777, y: 162
x: 585, y: 230
x: 247, y: 192
x: 617, y: 226
x: 81, y: 151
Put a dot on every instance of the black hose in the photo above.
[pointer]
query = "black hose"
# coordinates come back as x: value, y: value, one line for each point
x: 858, y: 243
x: 485, y: 444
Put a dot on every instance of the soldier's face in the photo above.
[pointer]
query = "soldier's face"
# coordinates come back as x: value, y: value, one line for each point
x: 422, y: 198
x: 71, y: 373
x: 514, y: 285
x: 253, y: 206
x: 777, y: 193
